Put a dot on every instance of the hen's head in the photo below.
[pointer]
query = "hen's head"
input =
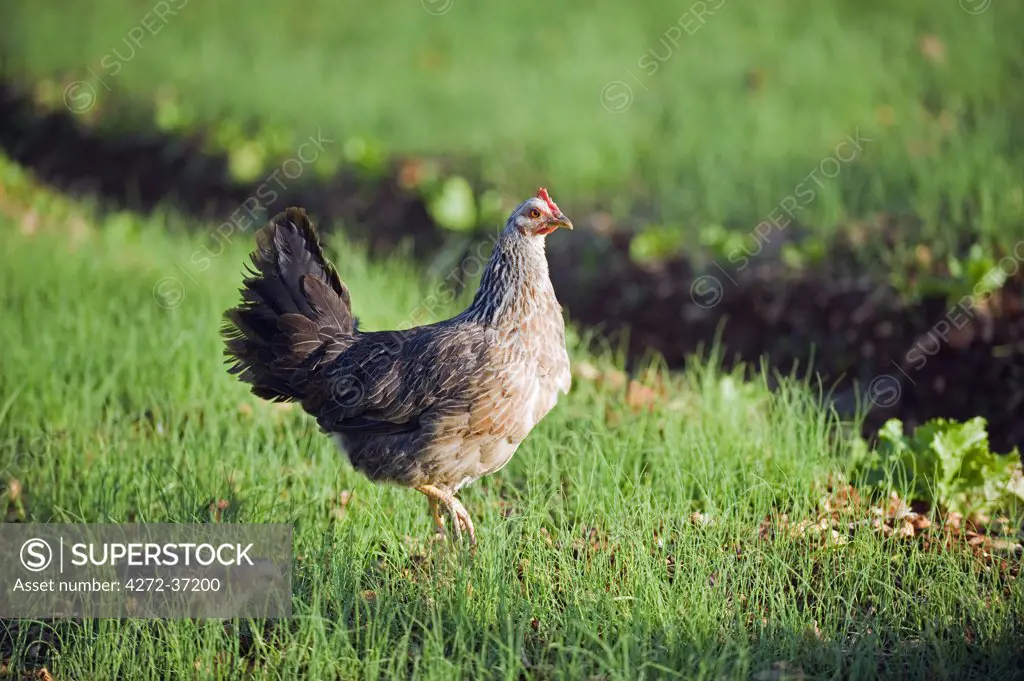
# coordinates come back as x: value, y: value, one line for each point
x: 538, y: 216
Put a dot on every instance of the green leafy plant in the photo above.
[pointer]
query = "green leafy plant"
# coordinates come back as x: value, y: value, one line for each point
x: 655, y: 243
x: 945, y: 463
x: 976, y: 274
x: 454, y: 206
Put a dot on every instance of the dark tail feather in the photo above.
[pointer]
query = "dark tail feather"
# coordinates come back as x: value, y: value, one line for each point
x: 295, y: 311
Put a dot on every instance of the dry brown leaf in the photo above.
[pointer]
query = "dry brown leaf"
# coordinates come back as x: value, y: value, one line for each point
x: 409, y: 174
x: 919, y: 521
x: 933, y: 48
x: 886, y: 116
x: 698, y: 518
x: 547, y: 536
x: 923, y: 254
x: 896, y: 507
x: 639, y: 396
x: 13, y: 490
x: 836, y: 538
x: 1008, y: 547
x: 340, y: 508
x: 613, y: 379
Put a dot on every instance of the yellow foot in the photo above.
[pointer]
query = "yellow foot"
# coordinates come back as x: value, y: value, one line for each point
x: 435, y: 513
x: 460, y: 516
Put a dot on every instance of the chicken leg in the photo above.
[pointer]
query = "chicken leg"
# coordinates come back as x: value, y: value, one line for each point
x: 458, y: 513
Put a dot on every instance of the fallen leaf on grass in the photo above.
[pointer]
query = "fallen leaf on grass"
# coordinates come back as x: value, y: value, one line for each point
x: 546, y: 536
x: 612, y: 379
x: 639, y: 396
x: 933, y: 48
x: 698, y: 518
x: 13, y: 490
x: 410, y: 173
x: 896, y: 508
x: 919, y: 521
x: 340, y: 507
x: 906, y: 530
x: 1008, y: 547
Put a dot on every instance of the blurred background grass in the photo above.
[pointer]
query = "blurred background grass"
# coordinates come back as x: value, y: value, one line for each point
x: 721, y: 120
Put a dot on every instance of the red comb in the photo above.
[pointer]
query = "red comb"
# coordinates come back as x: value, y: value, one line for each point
x: 542, y: 194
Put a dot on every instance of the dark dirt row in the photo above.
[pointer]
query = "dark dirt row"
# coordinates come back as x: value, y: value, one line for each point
x: 909, y: 361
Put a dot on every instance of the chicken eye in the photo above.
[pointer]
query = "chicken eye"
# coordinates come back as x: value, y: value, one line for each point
x: 534, y: 213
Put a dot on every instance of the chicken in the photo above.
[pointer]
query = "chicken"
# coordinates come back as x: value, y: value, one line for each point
x: 434, y: 407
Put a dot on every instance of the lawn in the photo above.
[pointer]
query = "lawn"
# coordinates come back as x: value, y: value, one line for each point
x: 684, y: 116
x: 644, y: 530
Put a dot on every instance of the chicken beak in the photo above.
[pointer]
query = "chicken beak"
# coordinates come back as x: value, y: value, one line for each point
x: 560, y: 221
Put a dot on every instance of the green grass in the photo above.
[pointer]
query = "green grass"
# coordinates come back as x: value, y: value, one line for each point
x: 117, y: 409
x: 519, y: 87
